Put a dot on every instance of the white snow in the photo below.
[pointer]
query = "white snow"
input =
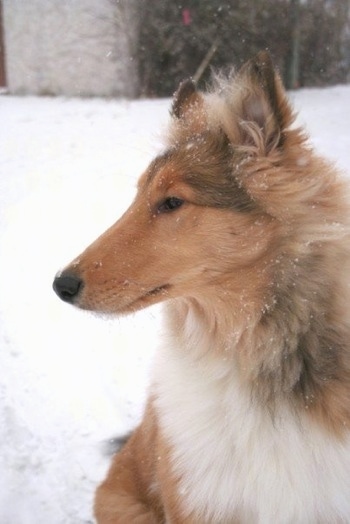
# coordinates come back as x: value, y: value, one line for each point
x: 70, y: 380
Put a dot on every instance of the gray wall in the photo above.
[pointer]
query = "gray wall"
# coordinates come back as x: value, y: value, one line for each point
x: 71, y: 47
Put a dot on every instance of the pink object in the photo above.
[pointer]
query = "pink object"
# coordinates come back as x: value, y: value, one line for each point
x: 186, y: 17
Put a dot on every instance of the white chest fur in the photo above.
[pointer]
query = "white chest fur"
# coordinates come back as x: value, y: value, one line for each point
x: 235, y: 461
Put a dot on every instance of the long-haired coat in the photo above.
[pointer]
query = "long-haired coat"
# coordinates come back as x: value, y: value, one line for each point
x: 244, y: 231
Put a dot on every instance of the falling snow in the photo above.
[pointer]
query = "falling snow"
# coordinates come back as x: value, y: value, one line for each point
x: 71, y: 381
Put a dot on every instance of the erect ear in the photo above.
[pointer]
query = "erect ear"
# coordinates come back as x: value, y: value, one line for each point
x: 263, y: 99
x: 186, y: 100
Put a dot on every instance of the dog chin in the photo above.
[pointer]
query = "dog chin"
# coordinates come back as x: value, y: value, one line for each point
x: 122, y: 307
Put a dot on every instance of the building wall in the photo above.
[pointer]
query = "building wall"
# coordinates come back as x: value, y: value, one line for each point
x: 71, y: 47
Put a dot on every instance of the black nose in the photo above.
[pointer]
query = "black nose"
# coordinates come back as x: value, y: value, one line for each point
x: 67, y: 287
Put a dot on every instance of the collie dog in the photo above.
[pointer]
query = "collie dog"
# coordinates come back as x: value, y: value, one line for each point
x: 244, y: 232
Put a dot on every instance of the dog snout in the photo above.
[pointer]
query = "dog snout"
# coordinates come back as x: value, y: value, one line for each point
x: 67, y: 286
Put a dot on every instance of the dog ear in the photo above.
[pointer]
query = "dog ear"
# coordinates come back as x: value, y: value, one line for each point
x: 186, y: 98
x: 263, y: 100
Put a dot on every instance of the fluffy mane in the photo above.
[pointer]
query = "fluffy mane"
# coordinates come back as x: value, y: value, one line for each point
x: 248, y: 125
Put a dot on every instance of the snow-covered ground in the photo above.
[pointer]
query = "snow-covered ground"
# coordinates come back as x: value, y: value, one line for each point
x: 69, y: 380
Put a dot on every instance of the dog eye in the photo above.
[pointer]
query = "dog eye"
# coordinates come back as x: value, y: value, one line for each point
x: 170, y: 204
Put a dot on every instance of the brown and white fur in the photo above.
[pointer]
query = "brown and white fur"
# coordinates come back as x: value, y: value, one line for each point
x: 244, y: 231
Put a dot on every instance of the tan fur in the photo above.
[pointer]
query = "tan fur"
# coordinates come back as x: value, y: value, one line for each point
x: 257, y: 255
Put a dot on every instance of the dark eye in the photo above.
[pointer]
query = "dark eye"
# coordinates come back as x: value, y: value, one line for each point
x: 170, y: 204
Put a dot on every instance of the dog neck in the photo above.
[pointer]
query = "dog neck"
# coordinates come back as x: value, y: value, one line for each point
x: 280, y: 351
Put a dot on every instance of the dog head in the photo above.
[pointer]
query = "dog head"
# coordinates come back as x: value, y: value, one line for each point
x: 217, y: 211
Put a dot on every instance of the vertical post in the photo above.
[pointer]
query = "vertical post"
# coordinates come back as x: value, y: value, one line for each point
x: 293, y: 64
x: 2, y: 51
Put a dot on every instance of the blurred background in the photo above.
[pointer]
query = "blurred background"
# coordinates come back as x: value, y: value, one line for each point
x: 133, y: 48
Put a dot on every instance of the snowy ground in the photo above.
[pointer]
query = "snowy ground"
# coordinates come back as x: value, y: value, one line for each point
x: 69, y: 380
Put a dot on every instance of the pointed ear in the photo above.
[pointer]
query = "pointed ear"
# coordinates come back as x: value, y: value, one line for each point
x: 186, y: 98
x: 264, y: 101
